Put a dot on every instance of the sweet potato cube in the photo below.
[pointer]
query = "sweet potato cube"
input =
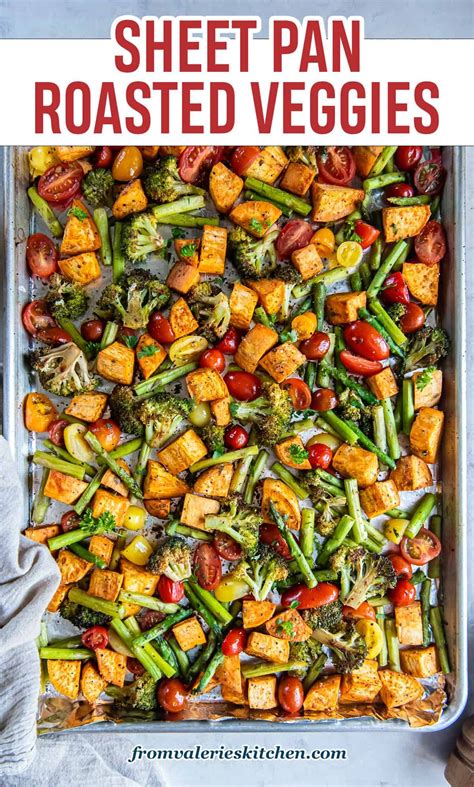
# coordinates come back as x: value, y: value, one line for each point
x: 72, y: 567
x: 213, y: 250
x: 187, y: 250
x: 183, y: 452
x: 255, y: 217
x: 291, y: 452
x: 297, y: 178
x: 268, y: 647
x: 215, y: 481
x: 271, y: 294
x: 182, y: 277
x: 284, y: 500
x: 114, y: 504
x: 205, y: 385
x: 351, y: 461
x: 105, y: 584
x: 64, y: 676
x: 323, y: 694
x: 342, y: 307
x: 112, y: 666
x: 425, y: 434
x: 283, y: 361
x: 159, y: 483
x: 150, y: 355
x: 365, y: 158
x: 242, y: 303
x: 404, y: 222
x: 268, y: 165
x: 182, y: 319
x: 92, y: 684
x: 254, y: 345
x: 379, y: 497
x: 137, y: 580
x: 422, y: 281
x: 195, y: 510
x: 132, y: 199
x: 256, y: 613
x: 116, y: 363
x: 383, y: 384
x: 113, y: 482
x: 82, y: 269
x: 331, y: 203
x: 58, y: 598
x: 158, y: 508
x: 307, y: 261
x: 73, y: 152
x: 362, y: 684
x: 189, y: 634
x: 398, y: 689
x: 87, y: 406
x: 289, y: 625
x: 261, y: 692
x: 420, y: 662
x: 224, y: 187
x: 63, y: 488
x: 411, y: 473
x: 231, y: 680
x: 409, y: 624
x: 427, y: 388
x: 42, y: 534
x: 102, y: 547
x: 220, y: 409
x: 80, y: 232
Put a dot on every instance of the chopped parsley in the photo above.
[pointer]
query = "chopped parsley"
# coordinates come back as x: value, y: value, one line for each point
x: 425, y: 378
x: 298, y: 453
x: 130, y: 341
x: 177, y: 232
x: 256, y: 225
x: 285, y: 627
x: 349, y: 232
x: 78, y: 213
x: 189, y: 250
x: 148, y: 350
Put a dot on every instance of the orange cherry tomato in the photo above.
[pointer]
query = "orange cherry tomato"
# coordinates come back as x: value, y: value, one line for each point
x: 128, y: 164
x: 107, y: 433
x: 363, y: 611
x: 40, y: 412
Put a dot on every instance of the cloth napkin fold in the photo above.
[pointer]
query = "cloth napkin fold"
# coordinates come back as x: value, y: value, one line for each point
x: 28, y: 578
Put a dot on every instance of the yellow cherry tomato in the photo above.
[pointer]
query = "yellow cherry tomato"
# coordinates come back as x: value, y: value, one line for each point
x: 324, y: 240
x: 128, y: 164
x: 187, y: 349
x: 349, y: 253
x: 134, y: 518
x: 200, y: 415
x: 40, y: 159
x: 138, y: 551
x: 371, y: 632
x: 230, y: 589
x: 40, y: 412
x: 394, y: 529
x: 330, y: 440
x: 304, y: 325
x: 75, y: 443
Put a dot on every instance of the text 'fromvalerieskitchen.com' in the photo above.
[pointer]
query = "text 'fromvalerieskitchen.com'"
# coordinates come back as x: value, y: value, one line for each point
x: 237, y: 753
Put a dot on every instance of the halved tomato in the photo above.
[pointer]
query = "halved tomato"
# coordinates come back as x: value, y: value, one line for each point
x: 336, y: 165
x: 294, y: 235
x: 360, y: 366
x: 36, y: 317
x: 430, y: 244
x: 195, y: 158
x: 207, y: 566
x: 421, y: 549
x: 61, y: 182
x: 41, y: 255
x: 243, y: 157
x: 299, y: 392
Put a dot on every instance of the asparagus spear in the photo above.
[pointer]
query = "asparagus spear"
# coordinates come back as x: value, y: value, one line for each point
x: 65, y: 654
x: 213, y: 664
x: 148, y: 602
x: 230, y: 456
x: 425, y: 597
x: 289, y: 479
x: 328, y: 277
x: 314, y: 671
x: 183, y: 205
x: 41, y: 502
x: 102, y: 224
x: 319, y: 299
x: 440, y: 639
x: 204, y: 612
x: 420, y: 514
x: 82, y: 551
x: 353, y: 504
x: 408, y: 406
x: 278, y: 195
x: 386, y: 321
x: 383, y: 655
x: 258, y: 668
x: 256, y: 471
x: 45, y: 211
x: 393, y: 446
x: 140, y: 654
x: 343, y: 528
x: 385, y: 268
x: 308, y: 516
x: 111, y: 608
x: 89, y: 491
x: 382, y: 160
x: 51, y: 462
x: 393, y: 646
x: 189, y: 220
x: 129, y: 482
x: 253, y: 196
x: 348, y: 381
x: 118, y: 259
x: 203, y: 658
x: 212, y: 604
x: 294, y: 547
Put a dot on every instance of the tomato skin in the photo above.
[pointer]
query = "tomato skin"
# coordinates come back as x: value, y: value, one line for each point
x: 160, y: 329
x: 226, y: 547
x: 128, y: 164
x: 36, y: 317
x: 293, y: 236
x: 395, y: 290
x: 243, y: 157
x: 290, y: 694
x: 413, y: 319
x: 61, y: 182
x: 235, y: 437
x: 360, y: 366
x: 299, y: 392
x: 408, y: 156
x: 134, y: 666
x: 323, y: 399
x: 95, y: 637
x: 316, y: 346
x: 243, y: 386
x: 92, y: 330
x: 400, y: 565
x: 102, y: 157
x: 399, y: 190
x: 171, y: 695
x: 107, y: 433
x: 310, y: 598
x: 169, y: 591
x: 429, y: 177
x: 212, y: 359
x: 421, y: 549
x: 41, y: 255
x: 207, y: 566
x: 337, y: 166
x: 363, y: 612
x: 319, y: 455
x: 362, y: 338
x: 367, y: 234
x: 150, y: 618
x: 229, y: 342
x: 53, y: 336
x: 70, y: 521
x: 403, y: 594
x: 430, y: 244
x: 192, y: 161
x: 56, y: 431
x: 269, y: 534
x: 234, y: 642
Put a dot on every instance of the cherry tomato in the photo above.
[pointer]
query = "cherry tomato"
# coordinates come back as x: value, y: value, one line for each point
x: 207, y: 566
x: 128, y: 164
x: 316, y: 346
x: 61, y: 182
x: 363, y: 612
x: 303, y: 597
x: 226, y: 547
x: 408, y: 156
x: 102, y: 157
x: 401, y: 566
x: 399, y: 190
x: 366, y: 233
x: 269, y: 534
x: 395, y: 290
x: 56, y: 431
x: 319, y: 455
x: 95, y: 637
x: 299, y: 392
x: 36, y: 317
x: 429, y: 177
x: 107, y: 433
x: 53, y: 336
x: 92, y: 330
x: 362, y: 338
x: 70, y: 521
x: 323, y: 399
x: 41, y: 255
x: 170, y: 592
x: 171, y: 695
x: 413, y: 319
x: 422, y: 548
x: 134, y: 666
x: 336, y: 166
x: 193, y: 159
x: 235, y: 437
x: 234, y: 642
x: 294, y: 235
x: 230, y: 342
x: 243, y: 158
x: 430, y: 244
x: 150, y: 618
x: 290, y: 694
x: 403, y: 594
x: 212, y: 359
x: 160, y: 329
x: 360, y: 366
x: 243, y: 386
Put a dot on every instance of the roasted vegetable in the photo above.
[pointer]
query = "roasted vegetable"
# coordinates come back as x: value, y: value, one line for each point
x: 97, y: 187
x: 64, y: 371
x: 133, y: 299
x: 240, y: 521
x: 271, y: 413
x: 66, y: 299
x: 211, y: 308
x: 261, y: 571
x: 140, y: 237
x: 162, y: 182
x: 253, y: 258
x: 172, y: 558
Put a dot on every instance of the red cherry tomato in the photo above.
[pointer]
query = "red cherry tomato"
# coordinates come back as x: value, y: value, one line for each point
x: 212, y: 359
x: 360, y: 366
x: 53, y: 336
x: 107, y: 433
x: 399, y: 190
x: 61, y: 182
x: 171, y: 695
x: 363, y: 611
x: 235, y: 437
x: 336, y: 166
x: 294, y: 235
x: 413, y: 319
x: 36, y: 317
x: 395, y: 290
x: 226, y: 547
x: 408, y: 156
x: 160, y: 329
x: 316, y: 346
x: 70, y: 521
x: 269, y: 534
x: 207, y: 566
x: 134, y: 666
x: 150, y: 618
x: 169, y: 591
x: 243, y: 157
x: 290, y: 694
x: 56, y: 431
x: 95, y: 637
x: 234, y: 642
x: 303, y: 597
x: 323, y: 399
x: 243, y: 386
x: 102, y: 157
x: 41, y: 255
x: 429, y: 177
x: 367, y: 234
x: 319, y: 455
x: 299, y: 392
x: 362, y: 338
x: 401, y: 566
x: 230, y: 342
x: 422, y: 548
x: 192, y: 161
x: 430, y: 244
x: 403, y: 594
x: 92, y: 330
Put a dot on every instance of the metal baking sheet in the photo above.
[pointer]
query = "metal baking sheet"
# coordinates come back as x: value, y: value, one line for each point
x: 18, y: 381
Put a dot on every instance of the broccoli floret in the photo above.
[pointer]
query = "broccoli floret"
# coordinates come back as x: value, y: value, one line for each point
x: 307, y: 651
x: 97, y: 187
x: 290, y: 276
x: 249, y: 255
x: 162, y: 416
x: 397, y: 311
x: 140, y: 237
x: 338, y: 559
x: 139, y: 695
x: 66, y: 299
x: 63, y: 370
x: 271, y: 413
x: 172, y: 558
x: 240, y: 521
x: 133, y: 299
x: 328, y: 617
x: 81, y: 617
x: 261, y: 571
x: 348, y: 649
x: 328, y: 507
x: 303, y: 154
x: 370, y: 575
x: 213, y: 437
x: 211, y: 308
x: 351, y: 408
x: 162, y: 182
x: 124, y: 407
x: 425, y: 348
